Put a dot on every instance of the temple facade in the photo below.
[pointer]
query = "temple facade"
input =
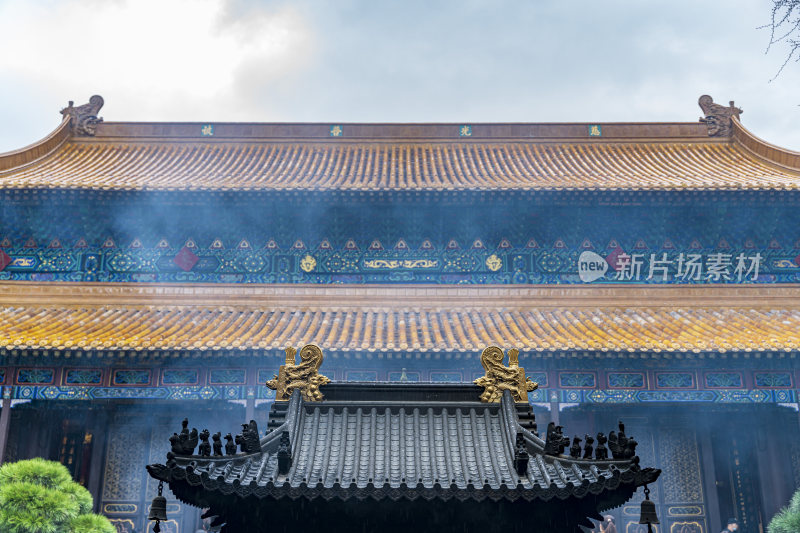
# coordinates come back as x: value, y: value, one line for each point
x: 647, y: 273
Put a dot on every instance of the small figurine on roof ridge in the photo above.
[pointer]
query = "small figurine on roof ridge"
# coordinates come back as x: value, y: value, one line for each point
x: 601, y: 452
x: 588, y: 447
x: 217, y: 443
x: 521, y: 455
x: 555, y: 441
x: 248, y: 439
x: 185, y: 442
x: 284, y: 453
x: 500, y: 378
x: 230, y: 446
x: 575, y: 449
x: 630, y: 449
x: 622, y: 439
x: 84, y: 119
x: 613, y: 445
x: 204, y: 450
x: 304, y: 376
x: 718, y: 118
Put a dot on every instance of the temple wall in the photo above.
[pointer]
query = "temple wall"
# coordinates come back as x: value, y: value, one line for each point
x: 123, y: 438
x: 717, y: 461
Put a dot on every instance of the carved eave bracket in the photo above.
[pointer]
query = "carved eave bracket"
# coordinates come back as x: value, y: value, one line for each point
x: 500, y: 378
x: 303, y: 376
x: 718, y: 117
x: 84, y: 119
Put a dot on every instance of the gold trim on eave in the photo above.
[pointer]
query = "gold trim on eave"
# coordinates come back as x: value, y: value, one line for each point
x: 500, y: 378
x: 304, y: 377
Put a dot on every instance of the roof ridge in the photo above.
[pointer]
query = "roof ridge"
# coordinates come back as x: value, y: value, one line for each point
x: 398, y: 298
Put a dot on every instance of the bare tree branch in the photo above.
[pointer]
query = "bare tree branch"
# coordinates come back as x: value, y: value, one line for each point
x: 785, y: 28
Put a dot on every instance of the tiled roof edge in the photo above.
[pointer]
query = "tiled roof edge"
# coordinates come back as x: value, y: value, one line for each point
x: 302, y: 296
x: 39, y: 149
x: 781, y: 157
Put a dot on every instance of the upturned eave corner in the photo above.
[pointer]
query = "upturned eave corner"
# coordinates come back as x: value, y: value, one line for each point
x: 781, y: 158
x: 725, y: 122
x: 76, y: 121
x: 36, y: 151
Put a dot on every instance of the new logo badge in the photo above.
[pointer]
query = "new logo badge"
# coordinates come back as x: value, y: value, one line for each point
x: 591, y: 266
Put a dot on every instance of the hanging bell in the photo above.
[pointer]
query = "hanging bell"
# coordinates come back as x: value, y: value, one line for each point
x: 158, y: 509
x: 648, y: 515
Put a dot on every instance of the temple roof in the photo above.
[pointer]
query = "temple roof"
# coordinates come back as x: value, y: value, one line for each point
x: 405, y: 440
x: 400, y: 157
x: 401, y: 442
x: 156, y: 318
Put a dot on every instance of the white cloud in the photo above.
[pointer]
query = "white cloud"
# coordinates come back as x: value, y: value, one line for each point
x: 415, y: 60
x: 152, y: 58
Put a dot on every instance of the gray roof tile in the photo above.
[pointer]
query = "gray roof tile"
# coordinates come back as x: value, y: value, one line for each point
x: 395, y: 449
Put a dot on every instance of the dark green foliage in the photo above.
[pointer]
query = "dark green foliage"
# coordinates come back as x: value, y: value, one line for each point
x: 48, y: 474
x: 90, y: 523
x: 38, y: 496
x: 788, y: 519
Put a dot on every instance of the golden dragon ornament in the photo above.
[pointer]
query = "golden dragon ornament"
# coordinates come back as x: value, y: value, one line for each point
x: 303, y: 376
x: 500, y: 378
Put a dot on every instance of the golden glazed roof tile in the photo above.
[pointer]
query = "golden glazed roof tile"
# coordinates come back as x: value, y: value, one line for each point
x: 400, y: 318
x: 601, y: 328
x: 286, y: 164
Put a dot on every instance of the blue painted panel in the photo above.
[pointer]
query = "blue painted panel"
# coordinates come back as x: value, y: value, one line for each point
x: 626, y: 380
x: 537, y: 377
x: 674, y: 380
x: 730, y: 380
x: 577, y: 379
x: 131, y: 377
x: 265, y: 375
x: 224, y: 376
x: 772, y: 380
x: 179, y: 377
x: 83, y: 376
x: 35, y: 375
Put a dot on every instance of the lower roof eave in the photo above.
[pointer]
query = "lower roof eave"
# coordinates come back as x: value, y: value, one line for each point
x: 185, y: 485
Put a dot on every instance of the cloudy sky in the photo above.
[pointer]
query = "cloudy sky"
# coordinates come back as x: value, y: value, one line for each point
x: 391, y: 61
